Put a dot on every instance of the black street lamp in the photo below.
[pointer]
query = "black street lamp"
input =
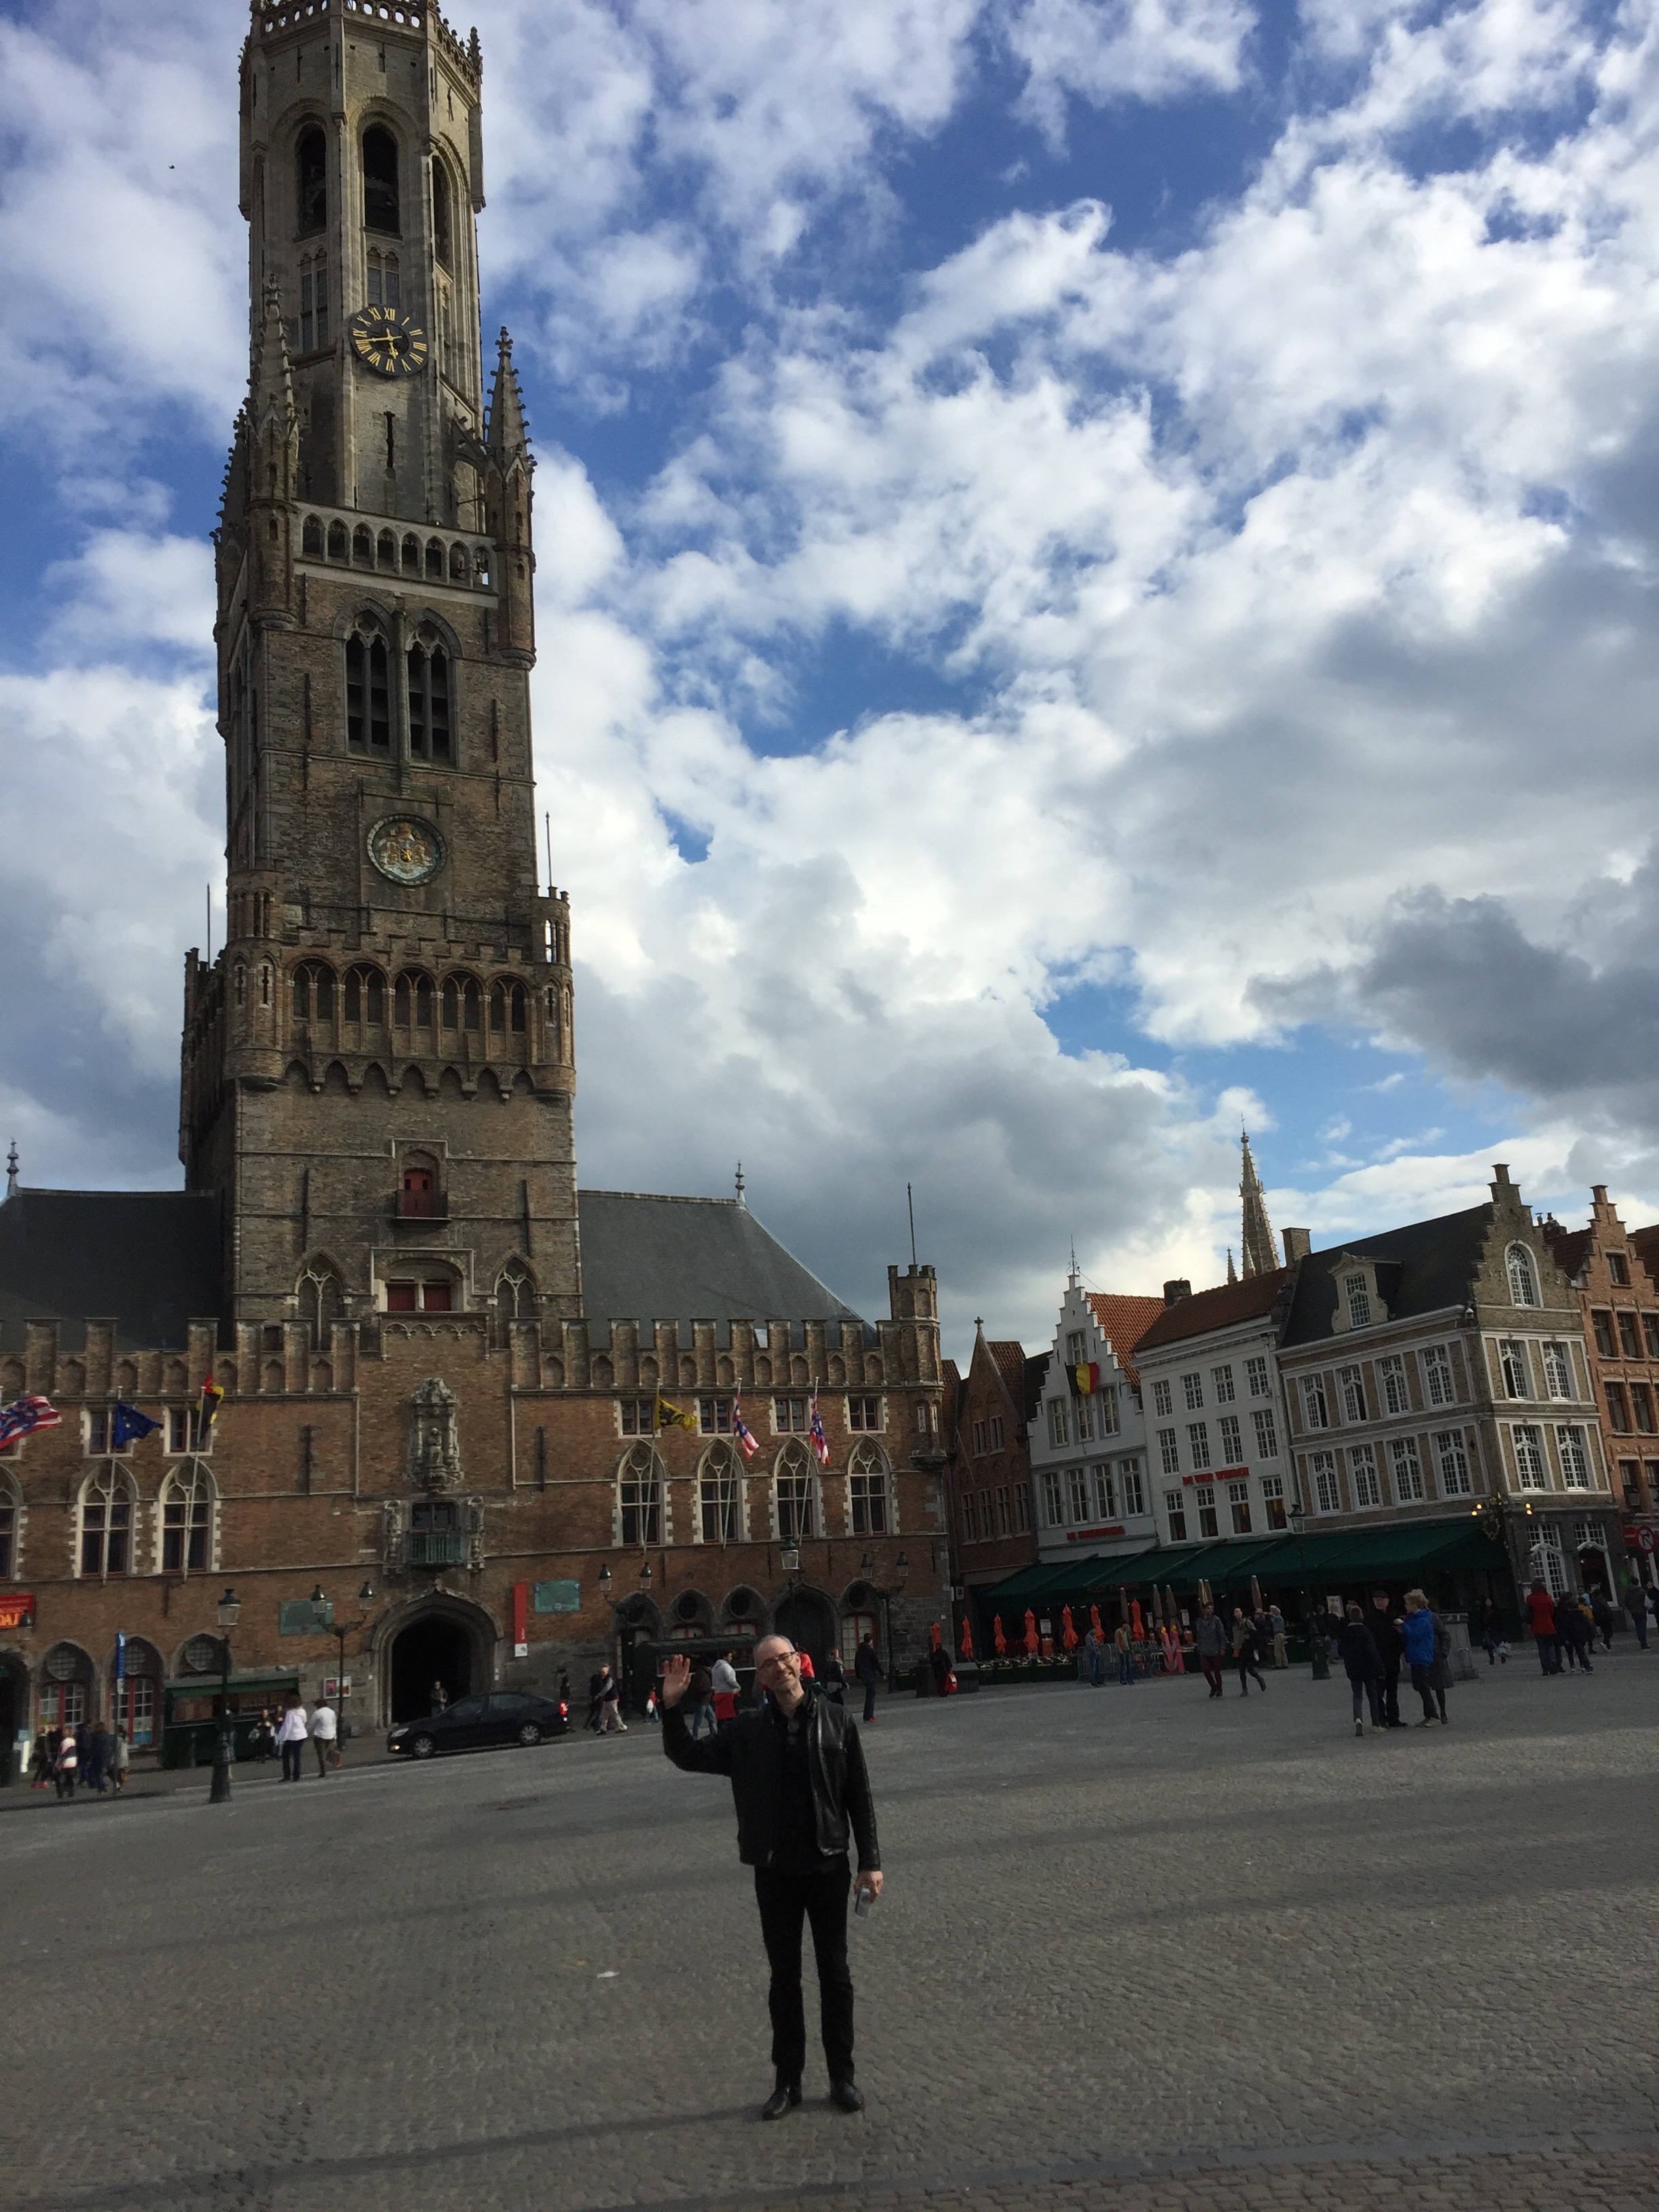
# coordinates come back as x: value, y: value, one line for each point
x: 339, y: 1631
x: 1322, y: 1665
x: 224, y: 1749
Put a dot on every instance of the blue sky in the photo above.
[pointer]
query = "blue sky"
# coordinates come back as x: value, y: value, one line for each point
x: 1096, y: 582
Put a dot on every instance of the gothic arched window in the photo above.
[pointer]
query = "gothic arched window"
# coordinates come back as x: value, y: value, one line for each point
x: 322, y: 1303
x: 720, y: 1495
x: 795, y: 1492
x: 452, y: 1004
x: 365, y: 996
x: 311, y: 331
x: 639, y: 1497
x: 369, y: 694
x: 428, y: 697
x: 106, y: 1514
x: 381, y: 208
x: 442, y: 220
x: 515, y: 1300
x: 868, y: 1499
x: 311, y: 183
x: 11, y: 1519
x: 1523, y: 1279
x: 188, y: 1498
x: 311, y: 537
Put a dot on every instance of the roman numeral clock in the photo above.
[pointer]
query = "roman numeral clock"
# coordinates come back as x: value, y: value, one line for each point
x: 388, y: 341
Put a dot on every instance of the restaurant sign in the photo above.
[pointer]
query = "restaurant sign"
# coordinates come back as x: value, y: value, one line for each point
x: 17, y: 1609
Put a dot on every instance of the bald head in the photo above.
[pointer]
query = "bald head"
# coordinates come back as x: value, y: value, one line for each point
x: 777, y: 1669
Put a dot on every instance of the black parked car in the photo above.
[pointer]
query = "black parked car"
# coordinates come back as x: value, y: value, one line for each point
x: 504, y: 1717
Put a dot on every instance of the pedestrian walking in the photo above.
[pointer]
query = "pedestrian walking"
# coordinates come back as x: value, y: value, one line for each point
x: 1245, y: 1657
x: 1491, y: 1635
x: 1540, y: 1619
x: 1427, y: 1646
x: 1606, y: 1619
x: 700, y: 1700
x: 40, y: 1763
x: 1276, y: 1630
x: 1384, y: 1632
x: 1362, y: 1666
x: 723, y: 1680
x: 1575, y: 1631
x: 324, y: 1736
x: 100, y: 1747
x: 1210, y: 1642
x: 1125, y: 1657
x: 121, y: 1761
x: 1094, y: 1658
x: 291, y: 1735
x: 596, y: 1683
x: 802, y: 1793
x: 611, y: 1720
x: 68, y: 1765
x: 834, y: 1678
x: 1636, y: 1605
x: 867, y: 1668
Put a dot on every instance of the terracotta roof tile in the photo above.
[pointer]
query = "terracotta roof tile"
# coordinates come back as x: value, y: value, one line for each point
x: 1124, y: 1322
x: 1221, y: 1308
x: 1570, y: 1246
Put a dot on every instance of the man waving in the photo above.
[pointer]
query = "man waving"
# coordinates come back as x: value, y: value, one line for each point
x: 799, y: 1783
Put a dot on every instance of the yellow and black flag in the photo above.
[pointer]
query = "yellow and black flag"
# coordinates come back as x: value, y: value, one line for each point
x: 674, y: 1417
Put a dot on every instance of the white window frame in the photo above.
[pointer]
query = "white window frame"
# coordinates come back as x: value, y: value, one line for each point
x: 1232, y: 1443
x: 1323, y: 1483
x: 721, y: 1492
x: 1198, y: 1442
x: 793, y: 1465
x: 1558, y: 1383
x: 1077, y: 1497
x: 1532, y: 1468
x: 1357, y: 1294
x: 187, y: 1485
x: 1238, y: 1504
x: 641, y: 1489
x: 1273, y: 1494
x: 1520, y: 1269
x: 1315, y: 1408
x: 1452, y: 1464
x: 1267, y: 1433
x: 1168, y: 1452
x: 870, y: 1482
x: 1105, y: 1493
x: 1406, y: 1473
x: 1134, y: 1494
x: 1515, y: 1368
x: 1439, y: 1377
x: 1573, y: 1452
x: 1106, y: 1399
x: 1192, y: 1389
x: 1163, y: 1404
x: 1054, y: 1508
x: 1363, y: 1480
x: 1257, y: 1376
x: 1059, y: 1427
x: 1221, y: 1382
x: 1350, y: 1382
x: 1174, y: 1508
x: 1392, y: 1387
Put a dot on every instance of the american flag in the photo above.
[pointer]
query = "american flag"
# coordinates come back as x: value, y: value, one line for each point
x: 24, y: 1414
x: 747, y: 1441
x: 820, y: 1442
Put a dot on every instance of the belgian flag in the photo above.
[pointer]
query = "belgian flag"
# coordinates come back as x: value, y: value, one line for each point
x: 1086, y: 1379
x: 208, y: 1401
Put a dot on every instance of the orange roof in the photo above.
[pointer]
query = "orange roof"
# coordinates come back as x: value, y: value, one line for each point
x: 1218, y: 1309
x: 1009, y: 1358
x: 1124, y: 1322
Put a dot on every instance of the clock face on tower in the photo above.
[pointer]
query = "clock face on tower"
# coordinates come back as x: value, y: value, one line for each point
x: 388, y: 341
x: 405, y: 850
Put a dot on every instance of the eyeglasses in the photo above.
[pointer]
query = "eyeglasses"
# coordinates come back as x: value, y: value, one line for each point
x: 776, y: 1659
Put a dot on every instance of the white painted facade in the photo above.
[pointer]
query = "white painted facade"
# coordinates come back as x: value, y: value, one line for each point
x: 1091, y: 1488
x: 1217, y: 1442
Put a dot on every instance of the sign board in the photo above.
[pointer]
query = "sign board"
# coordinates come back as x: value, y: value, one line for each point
x: 17, y: 1610
x: 1636, y: 1539
x: 336, y: 1686
x: 1088, y: 1535
x: 558, y: 1597
x: 521, y: 1651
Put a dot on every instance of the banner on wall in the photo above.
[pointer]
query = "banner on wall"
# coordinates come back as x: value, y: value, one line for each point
x: 17, y: 1610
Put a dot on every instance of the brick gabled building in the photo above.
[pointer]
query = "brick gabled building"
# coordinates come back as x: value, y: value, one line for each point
x: 1618, y: 1295
x: 989, y: 1412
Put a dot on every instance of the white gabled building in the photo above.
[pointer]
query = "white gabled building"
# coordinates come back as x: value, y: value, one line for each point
x: 1216, y: 1439
x: 1089, y: 1480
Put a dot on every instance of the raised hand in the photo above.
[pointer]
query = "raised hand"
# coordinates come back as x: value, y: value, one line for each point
x: 676, y: 1679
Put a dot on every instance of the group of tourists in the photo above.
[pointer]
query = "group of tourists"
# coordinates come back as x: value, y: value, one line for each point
x: 1564, y: 1628
x: 1374, y: 1644
x: 1251, y: 1640
x: 90, y: 1755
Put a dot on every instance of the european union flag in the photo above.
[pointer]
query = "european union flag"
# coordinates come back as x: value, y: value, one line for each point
x: 128, y: 1425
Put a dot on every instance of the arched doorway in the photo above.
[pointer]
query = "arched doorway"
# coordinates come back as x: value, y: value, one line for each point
x: 443, y: 1640
x: 808, y: 1619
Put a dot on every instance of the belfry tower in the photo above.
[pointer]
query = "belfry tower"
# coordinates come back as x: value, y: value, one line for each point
x: 379, y: 1068
x: 1256, y: 1247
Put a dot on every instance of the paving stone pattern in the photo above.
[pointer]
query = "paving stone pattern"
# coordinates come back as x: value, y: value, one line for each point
x: 1139, y: 1951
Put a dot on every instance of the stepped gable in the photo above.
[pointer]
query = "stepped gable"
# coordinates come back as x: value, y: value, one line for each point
x: 1123, y: 1322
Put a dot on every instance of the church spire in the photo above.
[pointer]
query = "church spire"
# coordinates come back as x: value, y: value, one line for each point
x: 1256, y: 1237
x: 507, y: 438
x: 1232, y: 1272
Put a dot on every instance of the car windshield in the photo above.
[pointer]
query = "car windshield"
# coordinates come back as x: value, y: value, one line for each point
x: 469, y: 1709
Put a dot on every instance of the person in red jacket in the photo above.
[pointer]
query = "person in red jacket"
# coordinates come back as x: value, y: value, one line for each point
x: 1541, y: 1611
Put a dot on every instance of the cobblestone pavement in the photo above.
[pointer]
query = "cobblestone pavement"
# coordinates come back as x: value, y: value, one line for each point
x: 1139, y: 1951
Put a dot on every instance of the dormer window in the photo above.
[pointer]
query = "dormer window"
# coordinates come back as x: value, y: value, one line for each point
x: 1356, y: 1292
x: 1523, y: 1276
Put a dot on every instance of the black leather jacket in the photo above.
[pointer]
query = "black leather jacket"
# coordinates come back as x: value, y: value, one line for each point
x: 746, y: 1749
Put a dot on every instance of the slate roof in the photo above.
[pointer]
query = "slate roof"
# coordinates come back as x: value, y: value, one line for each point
x: 646, y: 1258
x: 1124, y: 1322
x: 1644, y: 1243
x: 1036, y: 1368
x: 1420, y: 1269
x: 151, y: 1259
x: 1569, y: 1248
x: 1224, y: 1307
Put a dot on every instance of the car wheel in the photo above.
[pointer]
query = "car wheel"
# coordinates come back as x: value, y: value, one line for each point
x: 530, y: 1734
x: 423, y: 1747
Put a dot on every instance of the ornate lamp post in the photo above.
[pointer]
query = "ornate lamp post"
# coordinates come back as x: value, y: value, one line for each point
x: 224, y: 1749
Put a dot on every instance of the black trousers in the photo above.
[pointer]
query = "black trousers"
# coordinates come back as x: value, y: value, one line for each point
x: 1387, y: 1691
x: 785, y: 1900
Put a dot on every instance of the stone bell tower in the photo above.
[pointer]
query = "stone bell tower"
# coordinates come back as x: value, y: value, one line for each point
x: 379, y: 1068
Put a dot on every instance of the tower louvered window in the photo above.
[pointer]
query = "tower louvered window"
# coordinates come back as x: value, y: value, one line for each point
x: 428, y: 700
x: 311, y: 184
x: 368, y: 696
x: 381, y: 207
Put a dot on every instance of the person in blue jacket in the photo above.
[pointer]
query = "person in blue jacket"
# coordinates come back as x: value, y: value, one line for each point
x: 1426, y: 1645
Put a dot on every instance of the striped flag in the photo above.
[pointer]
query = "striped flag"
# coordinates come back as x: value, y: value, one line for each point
x: 820, y: 1442
x: 747, y: 1442
x: 24, y: 1415
x: 207, y: 1405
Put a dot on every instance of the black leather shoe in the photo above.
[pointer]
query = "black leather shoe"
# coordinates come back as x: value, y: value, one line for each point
x: 845, y: 2095
x: 786, y: 2094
